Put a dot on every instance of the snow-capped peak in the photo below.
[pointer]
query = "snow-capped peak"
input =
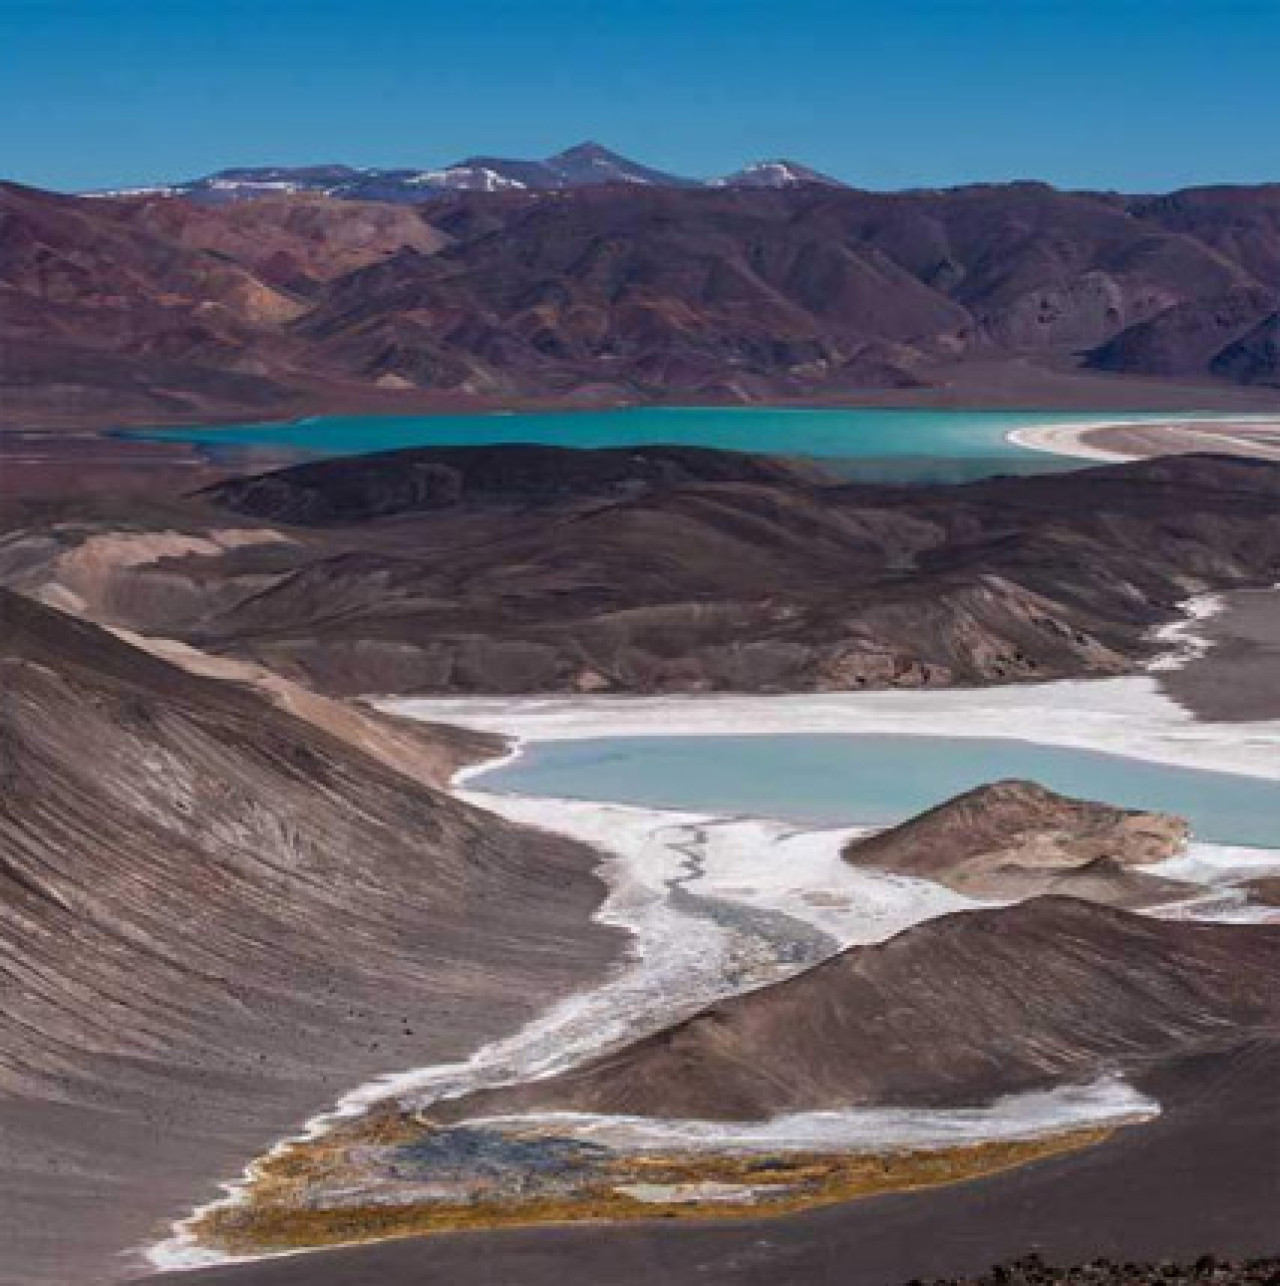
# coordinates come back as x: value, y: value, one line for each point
x: 466, y: 178
x: 775, y: 174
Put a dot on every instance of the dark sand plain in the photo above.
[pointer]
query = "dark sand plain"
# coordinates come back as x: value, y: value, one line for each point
x: 1238, y: 676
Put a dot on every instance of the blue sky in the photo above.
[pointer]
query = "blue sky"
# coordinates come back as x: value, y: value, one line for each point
x: 1131, y: 94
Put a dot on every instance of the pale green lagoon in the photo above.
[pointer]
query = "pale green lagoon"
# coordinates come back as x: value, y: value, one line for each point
x: 874, y: 780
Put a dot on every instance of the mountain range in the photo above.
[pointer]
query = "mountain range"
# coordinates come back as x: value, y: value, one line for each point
x: 584, y: 165
x: 150, y: 309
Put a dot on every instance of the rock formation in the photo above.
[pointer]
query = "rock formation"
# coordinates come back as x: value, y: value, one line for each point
x: 1012, y: 839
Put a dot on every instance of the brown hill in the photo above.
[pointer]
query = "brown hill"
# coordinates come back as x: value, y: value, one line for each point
x: 213, y: 918
x: 1015, y: 838
x: 954, y: 1011
x: 519, y: 569
x: 126, y: 309
x: 732, y: 576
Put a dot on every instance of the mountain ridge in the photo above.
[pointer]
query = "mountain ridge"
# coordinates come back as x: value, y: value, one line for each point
x: 535, y: 569
x: 152, y: 310
x: 583, y: 164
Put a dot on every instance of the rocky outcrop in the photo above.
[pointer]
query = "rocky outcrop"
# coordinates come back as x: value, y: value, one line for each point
x: 1014, y: 839
x: 1207, y: 1270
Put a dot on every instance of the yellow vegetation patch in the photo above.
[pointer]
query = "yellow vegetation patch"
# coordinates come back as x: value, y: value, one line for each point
x: 277, y: 1215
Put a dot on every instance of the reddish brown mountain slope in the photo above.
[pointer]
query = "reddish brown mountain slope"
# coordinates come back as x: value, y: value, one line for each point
x: 129, y: 308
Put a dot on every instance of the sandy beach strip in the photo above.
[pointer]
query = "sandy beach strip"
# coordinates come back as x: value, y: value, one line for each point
x: 1257, y: 437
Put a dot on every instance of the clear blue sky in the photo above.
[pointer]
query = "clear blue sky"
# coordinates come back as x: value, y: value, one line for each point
x: 1131, y: 94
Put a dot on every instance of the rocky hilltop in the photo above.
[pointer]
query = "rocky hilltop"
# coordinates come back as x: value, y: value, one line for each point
x: 1015, y: 838
x: 151, y: 309
x: 214, y: 919
x: 1208, y: 1270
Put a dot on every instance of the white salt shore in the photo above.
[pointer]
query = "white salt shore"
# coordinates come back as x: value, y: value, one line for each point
x: 1107, y: 1101
x: 1125, y: 716
x: 1067, y: 439
x: 1074, y: 439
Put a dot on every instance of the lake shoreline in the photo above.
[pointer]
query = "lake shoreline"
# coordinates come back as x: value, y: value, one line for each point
x: 1166, y: 731
x: 1252, y: 436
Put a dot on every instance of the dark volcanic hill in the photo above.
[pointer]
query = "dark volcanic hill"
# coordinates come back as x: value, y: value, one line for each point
x: 956, y: 1010
x: 213, y: 919
x: 516, y: 477
x: 679, y: 570
x: 155, y: 308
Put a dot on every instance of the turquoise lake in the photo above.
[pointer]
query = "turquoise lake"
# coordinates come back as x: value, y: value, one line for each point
x: 898, y: 445
x: 874, y: 780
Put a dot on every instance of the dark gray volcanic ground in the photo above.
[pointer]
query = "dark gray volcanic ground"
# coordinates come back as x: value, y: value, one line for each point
x: 156, y: 309
x: 214, y: 920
